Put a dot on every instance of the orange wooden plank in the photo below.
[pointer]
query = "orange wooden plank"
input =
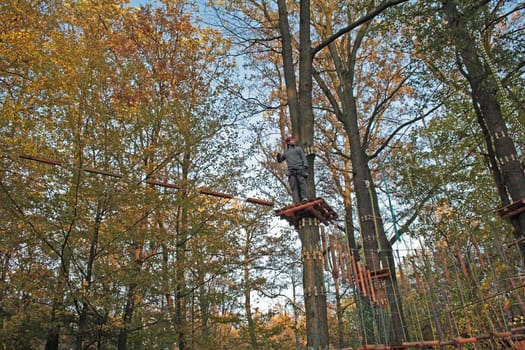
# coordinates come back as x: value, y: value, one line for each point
x: 216, y: 194
x: 471, y: 340
x: 259, y: 201
x: 40, y: 159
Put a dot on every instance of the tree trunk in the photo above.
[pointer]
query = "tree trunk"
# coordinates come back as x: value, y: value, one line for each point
x: 247, y: 294
x: 377, y: 249
x: 339, y: 314
x: 126, y: 317
x: 347, y: 198
x: 129, y: 308
x: 83, y: 322
x: 302, y: 118
x: 484, y: 91
x: 82, y: 328
x: 313, y: 285
x: 295, y: 311
x: 52, y: 340
x: 180, y: 268
x: 180, y: 305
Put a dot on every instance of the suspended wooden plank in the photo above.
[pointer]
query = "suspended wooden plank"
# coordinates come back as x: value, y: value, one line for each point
x: 40, y: 159
x: 259, y: 201
x: 380, y: 274
x: 471, y: 340
x: 430, y: 343
x: 372, y: 287
x: 447, y: 342
x: 511, y: 210
x: 500, y: 334
x: 362, y: 279
x: 367, y: 280
x: 215, y: 194
x: 333, y: 257
x: 356, y: 274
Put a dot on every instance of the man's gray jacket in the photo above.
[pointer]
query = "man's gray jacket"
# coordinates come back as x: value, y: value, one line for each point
x: 295, y: 159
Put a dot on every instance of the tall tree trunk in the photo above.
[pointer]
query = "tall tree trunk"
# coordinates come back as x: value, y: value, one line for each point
x: 53, y: 338
x: 377, y: 249
x: 313, y: 285
x: 302, y: 118
x: 180, y: 264
x: 83, y: 322
x: 339, y: 314
x: 180, y: 291
x: 126, y: 317
x: 484, y: 90
x: 204, y: 304
x: 295, y: 310
x: 82, y: 328
x: 129, y: 308
x: 347, y: 198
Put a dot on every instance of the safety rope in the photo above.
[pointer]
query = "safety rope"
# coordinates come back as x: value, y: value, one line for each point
x: 502, y: 95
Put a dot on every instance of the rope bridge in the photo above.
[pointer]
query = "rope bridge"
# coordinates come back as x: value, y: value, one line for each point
x: 149, y: 181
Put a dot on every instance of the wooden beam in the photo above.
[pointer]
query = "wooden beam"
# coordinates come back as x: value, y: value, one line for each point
x: 40, y: 159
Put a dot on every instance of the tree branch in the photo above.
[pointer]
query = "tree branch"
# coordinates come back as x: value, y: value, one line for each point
x: 404, y: 125
x: 369, y: 16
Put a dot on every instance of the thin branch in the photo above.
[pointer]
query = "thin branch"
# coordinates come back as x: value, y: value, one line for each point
x: 404, y: 125
x: 366, y: 18
x: 503, y: 16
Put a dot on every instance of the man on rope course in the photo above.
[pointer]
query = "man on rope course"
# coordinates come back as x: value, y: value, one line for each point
x: 297, y: 169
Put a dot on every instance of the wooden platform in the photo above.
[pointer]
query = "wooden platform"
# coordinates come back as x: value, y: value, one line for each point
x: 511, y: 210
x: 313, y: 208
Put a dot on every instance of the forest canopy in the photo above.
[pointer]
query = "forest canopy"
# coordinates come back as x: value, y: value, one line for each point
x: 132, y: 135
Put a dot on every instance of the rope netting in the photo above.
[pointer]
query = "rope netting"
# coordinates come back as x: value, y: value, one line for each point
x: 451, y: 295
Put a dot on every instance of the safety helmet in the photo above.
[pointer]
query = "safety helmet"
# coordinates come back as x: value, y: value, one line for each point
x: 288, y: 139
